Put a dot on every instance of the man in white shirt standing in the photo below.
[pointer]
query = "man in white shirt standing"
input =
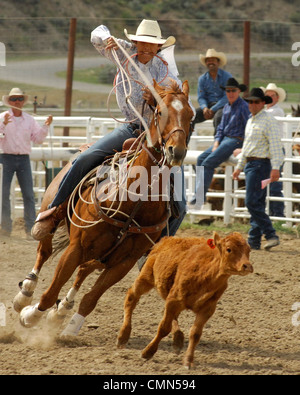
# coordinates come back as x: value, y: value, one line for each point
x: 278, y: 95
x: 18, y: 129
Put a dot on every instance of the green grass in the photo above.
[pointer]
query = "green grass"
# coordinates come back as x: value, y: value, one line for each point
x: 96, y: 75
x: 105, y: 74
x: 290, y: 87
x: 219, y: 226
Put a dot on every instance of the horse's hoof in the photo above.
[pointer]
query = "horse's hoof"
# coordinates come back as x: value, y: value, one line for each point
x: 24, y: 297
x: 30, y: 316
x: 54, y: 319
x: 20, y: 301
x: 74, y: 326
x: 59, y: 312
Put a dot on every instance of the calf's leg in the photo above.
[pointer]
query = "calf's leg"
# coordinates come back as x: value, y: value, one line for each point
x: 195, y: 333
x: 172, y: 310
x: 141, y: 286
x: 178, y: 336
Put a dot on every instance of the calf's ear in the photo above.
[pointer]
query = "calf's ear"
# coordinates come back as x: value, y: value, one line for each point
x: 217, y: 241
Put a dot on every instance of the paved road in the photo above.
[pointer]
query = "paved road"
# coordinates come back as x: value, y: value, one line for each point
x: 43, y: 72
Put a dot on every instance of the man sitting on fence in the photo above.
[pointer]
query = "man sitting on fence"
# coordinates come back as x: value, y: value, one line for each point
x: 211, y: 96
x: 229, y: 136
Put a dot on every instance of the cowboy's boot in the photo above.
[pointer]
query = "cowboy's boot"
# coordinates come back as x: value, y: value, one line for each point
x: 47, y: 221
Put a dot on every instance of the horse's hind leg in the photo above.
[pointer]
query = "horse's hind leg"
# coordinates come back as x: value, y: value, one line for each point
x: 28, y: 285
x: 70, y: 259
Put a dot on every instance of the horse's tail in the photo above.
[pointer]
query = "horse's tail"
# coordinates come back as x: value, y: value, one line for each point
x: 61, y: 239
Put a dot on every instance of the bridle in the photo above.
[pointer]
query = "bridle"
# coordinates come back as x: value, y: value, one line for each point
x: 163, y: 140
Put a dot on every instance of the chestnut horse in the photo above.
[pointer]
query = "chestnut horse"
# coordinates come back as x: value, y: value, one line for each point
x: 112, y: 244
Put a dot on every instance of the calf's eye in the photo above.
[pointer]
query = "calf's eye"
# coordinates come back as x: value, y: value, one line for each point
x: 228, y: 249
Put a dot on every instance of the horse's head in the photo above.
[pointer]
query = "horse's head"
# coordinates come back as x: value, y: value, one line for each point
x: 295, y: 111
x: 172, y: 120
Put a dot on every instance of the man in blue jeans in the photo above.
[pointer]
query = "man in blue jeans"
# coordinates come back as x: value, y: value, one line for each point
x: 229, y: 136
x: 17, y: 130
x: 261, y: 158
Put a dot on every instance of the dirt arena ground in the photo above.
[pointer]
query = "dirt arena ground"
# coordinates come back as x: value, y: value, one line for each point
x: 253, y: 331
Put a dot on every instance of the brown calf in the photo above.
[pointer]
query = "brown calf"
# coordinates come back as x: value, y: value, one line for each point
x: 189, y: 273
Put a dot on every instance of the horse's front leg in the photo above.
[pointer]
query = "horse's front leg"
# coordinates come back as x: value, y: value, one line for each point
x: 28, y: 285
x: 107, y: 278
x: 58, y: 312
x: 70, y: 259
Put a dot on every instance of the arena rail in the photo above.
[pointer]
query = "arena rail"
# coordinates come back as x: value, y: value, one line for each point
x: 58, y: 149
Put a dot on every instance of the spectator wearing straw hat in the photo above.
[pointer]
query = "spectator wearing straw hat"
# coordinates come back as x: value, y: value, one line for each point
x: 261, y: 158
x: 211, y: 97
x: 278, y: 95
x: 19, y: 129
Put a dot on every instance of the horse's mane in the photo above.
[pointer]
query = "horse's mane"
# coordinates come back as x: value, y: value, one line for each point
x: 171, y: 88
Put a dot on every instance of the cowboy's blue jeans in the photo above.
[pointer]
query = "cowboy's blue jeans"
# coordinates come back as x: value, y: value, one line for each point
x: 19, y: 164
x: 255, y: 172
x: 211, y: 160
x: 93, y: 157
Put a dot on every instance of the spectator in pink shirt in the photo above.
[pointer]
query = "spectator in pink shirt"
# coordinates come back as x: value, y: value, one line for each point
x: 17, y: 130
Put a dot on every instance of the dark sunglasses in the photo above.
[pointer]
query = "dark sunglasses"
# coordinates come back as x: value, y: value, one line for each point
x: 13, y: 99
x: 230, y: 90
x: 254, y: 101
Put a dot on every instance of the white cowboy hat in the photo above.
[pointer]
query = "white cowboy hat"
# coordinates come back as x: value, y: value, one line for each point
x: 14, y: 92
x: 149, y: 32
x: 273, y: 87
x: 212, y: 53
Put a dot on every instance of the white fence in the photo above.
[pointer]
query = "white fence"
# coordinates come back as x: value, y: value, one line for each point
x: 83, y: 130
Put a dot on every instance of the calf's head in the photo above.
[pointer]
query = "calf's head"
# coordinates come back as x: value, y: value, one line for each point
x: 235, y: 252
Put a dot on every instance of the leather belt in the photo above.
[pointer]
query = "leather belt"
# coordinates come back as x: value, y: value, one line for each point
x: 237, y: 137
x: 252, y: 158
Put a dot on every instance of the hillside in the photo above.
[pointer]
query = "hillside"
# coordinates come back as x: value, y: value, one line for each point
x: 26, y: 24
